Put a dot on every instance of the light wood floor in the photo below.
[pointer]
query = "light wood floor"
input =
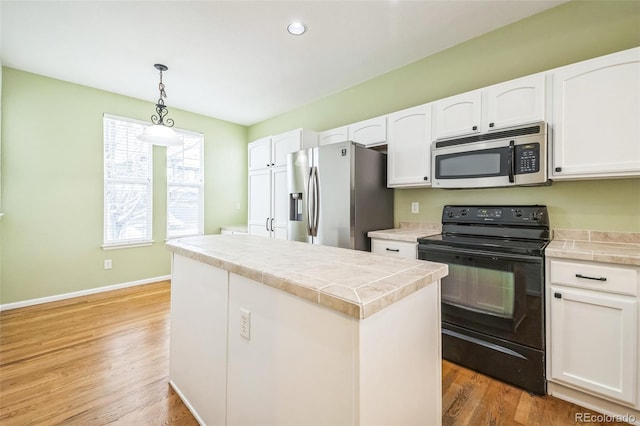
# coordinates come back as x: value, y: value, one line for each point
x: 103, y: 359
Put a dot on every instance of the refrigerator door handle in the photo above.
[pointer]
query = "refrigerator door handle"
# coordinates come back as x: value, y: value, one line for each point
x: 309, y: 200
x: 316, y: 202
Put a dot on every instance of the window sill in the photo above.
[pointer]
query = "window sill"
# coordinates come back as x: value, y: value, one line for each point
x: 127, y: 245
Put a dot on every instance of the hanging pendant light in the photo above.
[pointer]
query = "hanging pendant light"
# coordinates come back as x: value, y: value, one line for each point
x: 161, y: 132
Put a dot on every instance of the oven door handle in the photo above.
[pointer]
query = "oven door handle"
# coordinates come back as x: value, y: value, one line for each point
x: 439, y: 249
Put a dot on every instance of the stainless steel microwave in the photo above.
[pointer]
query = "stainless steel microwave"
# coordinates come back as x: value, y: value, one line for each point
x: 510, y: 157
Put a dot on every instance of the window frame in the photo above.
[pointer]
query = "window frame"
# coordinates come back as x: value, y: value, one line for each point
x: 147, y: 239
x: 200, y: 186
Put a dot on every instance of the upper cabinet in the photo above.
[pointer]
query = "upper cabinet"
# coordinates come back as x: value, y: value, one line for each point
x: 370, y: 132
x: 409, y: 147
x: 458, y: 115
x: 596, y: 106
x: 259, y: 154
x: 337, y: 135
x: 495, y: 107
x: 515, y: 102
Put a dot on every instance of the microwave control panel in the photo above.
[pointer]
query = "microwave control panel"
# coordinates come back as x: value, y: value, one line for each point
x: 527, y: 158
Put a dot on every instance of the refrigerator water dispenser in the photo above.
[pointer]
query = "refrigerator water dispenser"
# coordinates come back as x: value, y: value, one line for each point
x: 295, y: 206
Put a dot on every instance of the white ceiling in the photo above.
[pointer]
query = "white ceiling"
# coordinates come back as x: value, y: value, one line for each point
x: 234, y: 60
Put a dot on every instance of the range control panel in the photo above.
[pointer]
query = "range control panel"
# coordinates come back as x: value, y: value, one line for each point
x: 514, y: 215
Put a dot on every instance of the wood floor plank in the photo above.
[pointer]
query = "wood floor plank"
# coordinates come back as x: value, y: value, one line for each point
x: 103, y: 360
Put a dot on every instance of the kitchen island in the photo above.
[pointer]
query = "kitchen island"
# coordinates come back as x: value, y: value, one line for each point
x: 266, y: 331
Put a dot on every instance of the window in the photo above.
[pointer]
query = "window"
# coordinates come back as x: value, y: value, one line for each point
x: 128, y: 187
x: 185, y: 190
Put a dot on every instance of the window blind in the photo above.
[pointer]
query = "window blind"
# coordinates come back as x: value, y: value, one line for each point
x: 185, y: 188
x: 128, y: 186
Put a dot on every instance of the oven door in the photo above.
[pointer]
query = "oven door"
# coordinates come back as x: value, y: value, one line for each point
x: 497, y: 294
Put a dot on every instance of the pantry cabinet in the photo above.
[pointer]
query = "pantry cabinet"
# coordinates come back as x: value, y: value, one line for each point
x: 409, y: 147
x: 593, y: 328
x: 596, y: 107
x: 496, y: 107
x: 267, y: 181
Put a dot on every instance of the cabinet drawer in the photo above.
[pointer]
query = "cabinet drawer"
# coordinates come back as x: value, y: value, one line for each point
x: 594, y: 276
x: 402, y: 249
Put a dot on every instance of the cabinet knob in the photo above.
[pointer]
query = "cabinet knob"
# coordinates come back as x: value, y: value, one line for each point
x: 475, y: 128
x: 491, y: 124
x: 268, y: 164
x: 558, y: 169
x: 557, y: 295
x: 426, y: 178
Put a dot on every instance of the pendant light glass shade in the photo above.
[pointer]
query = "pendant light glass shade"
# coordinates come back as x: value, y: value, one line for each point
x: 160, y: 135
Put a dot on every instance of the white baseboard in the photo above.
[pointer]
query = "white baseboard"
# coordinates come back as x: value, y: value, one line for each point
x: 186, y: 402
x: 96, y: 290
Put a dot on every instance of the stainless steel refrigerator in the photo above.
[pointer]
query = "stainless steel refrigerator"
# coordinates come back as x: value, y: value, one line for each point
x: 338, y: 193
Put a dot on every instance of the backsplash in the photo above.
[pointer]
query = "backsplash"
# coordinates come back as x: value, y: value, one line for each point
x: 596, y: 236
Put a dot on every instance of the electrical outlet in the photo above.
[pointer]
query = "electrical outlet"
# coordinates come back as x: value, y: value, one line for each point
x: 245, y: 323
x: 107, y: 264
x: 415, y: 207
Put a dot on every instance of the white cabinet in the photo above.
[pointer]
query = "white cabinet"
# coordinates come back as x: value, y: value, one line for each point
x: 267, y: 182
x: 515, y: 102
x: 259, y: 154
x: 409, y: 147
x: 596, y: 106
x: 496, y: 107
x: 370, y: 132
x: 593, y: 328
x: 392, y: 248
x: 337, y: 135
x: 458, y: 115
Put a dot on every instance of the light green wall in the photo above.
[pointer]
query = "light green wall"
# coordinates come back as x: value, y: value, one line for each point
x: 569, y: 33
x: 52, y: 177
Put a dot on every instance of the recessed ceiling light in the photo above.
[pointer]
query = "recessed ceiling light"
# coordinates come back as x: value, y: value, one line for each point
x: 296, y: 28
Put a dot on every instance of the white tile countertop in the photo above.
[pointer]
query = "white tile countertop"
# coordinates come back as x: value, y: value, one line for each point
x: 612, y: 247
x: 408, y: 231
x: 353, y: 282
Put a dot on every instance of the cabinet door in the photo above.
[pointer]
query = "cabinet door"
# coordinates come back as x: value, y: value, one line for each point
x: 284, y: 144
x: 596, y: 107
x: 458, y: 115
x: 593, y: 342
x: 260, y: 154
x: 280, y: 203
x: 409, y: 147
x: 337, y: 135
x: 259, y: 202
x: 515, y: 102
x: 369, y: 132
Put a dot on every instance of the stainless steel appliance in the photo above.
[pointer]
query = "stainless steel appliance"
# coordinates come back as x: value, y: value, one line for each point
x: 338, y: 193
x: 516, y: 156
x: 493, y: 297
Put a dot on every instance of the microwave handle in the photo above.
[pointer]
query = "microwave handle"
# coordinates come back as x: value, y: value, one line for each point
x: 512, y: 166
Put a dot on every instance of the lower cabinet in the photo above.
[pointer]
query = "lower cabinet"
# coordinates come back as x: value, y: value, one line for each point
x: 404, y: 249
x: 593, y: 329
